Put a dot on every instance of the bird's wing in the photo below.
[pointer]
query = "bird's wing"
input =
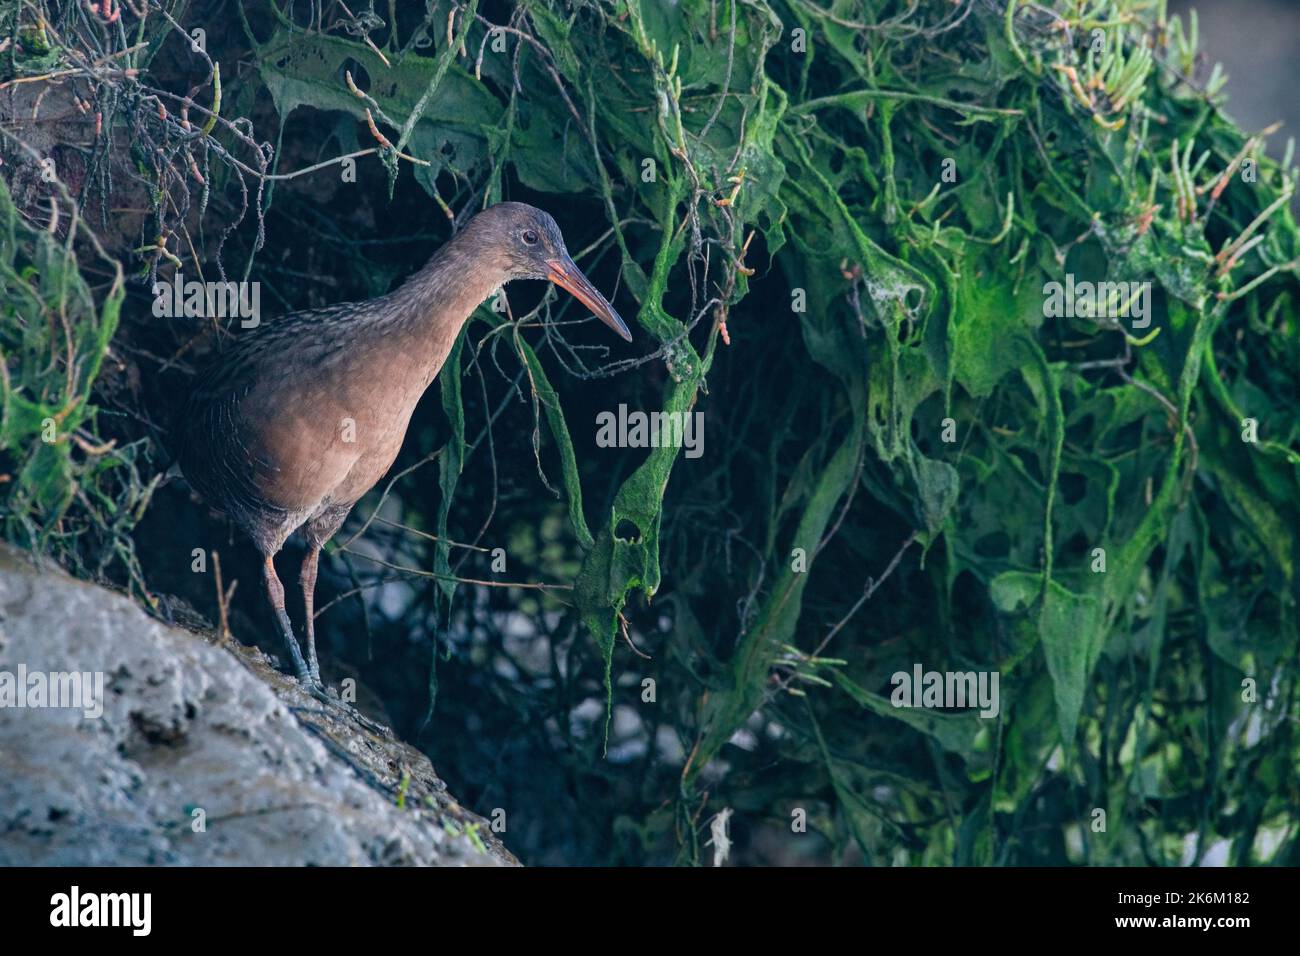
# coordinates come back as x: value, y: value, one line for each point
x: 211, y: 435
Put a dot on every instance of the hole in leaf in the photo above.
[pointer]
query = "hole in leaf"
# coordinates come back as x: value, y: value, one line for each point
x: 360, y: 77
x: 627, y: 531
x: 1074, y: 487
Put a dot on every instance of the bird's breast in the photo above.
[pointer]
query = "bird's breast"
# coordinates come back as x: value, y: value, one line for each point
x: 332, y: 436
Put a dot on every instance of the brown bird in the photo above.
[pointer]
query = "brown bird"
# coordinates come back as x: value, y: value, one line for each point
x: 303, y: 415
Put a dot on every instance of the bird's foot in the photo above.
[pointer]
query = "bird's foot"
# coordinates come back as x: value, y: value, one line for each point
x: 329, y: 696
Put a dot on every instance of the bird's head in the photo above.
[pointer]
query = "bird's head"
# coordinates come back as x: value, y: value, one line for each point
x: 527, y: 245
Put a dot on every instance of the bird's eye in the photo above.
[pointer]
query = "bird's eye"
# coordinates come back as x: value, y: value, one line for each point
x: 529, y: 237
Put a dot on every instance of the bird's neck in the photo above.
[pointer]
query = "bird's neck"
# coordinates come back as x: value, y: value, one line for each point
x: 431, y: 307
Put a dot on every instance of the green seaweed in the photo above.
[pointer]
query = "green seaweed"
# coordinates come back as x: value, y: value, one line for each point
x: 972, y: 483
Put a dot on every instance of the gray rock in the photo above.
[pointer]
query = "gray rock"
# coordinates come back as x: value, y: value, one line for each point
x: 195, y: 730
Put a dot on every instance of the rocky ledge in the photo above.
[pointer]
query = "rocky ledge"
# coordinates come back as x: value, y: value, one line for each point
x: 169, y: 748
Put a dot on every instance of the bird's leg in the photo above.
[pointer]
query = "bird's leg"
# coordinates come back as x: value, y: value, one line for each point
x: 275, y: 593
x: 307, y: 579
x: 312, y: 669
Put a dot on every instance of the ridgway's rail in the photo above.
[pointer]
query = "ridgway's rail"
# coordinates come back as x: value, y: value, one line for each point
x: 303, y: 415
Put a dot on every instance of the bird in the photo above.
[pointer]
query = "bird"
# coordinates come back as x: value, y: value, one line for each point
x: 288, y: 427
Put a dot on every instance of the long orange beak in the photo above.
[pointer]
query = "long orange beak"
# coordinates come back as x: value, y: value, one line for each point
x: 570, y: 278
